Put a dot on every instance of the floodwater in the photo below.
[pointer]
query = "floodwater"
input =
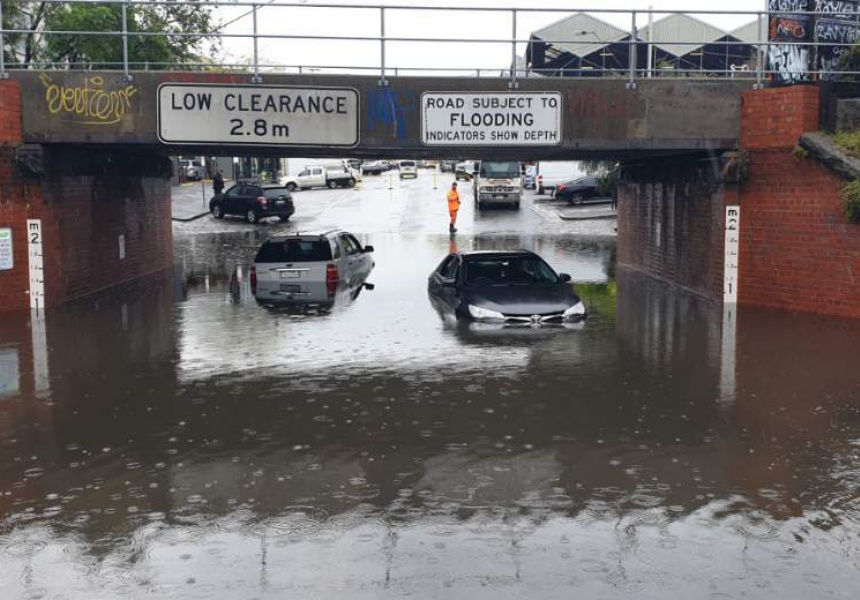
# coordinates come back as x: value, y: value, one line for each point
x: 176, y: 440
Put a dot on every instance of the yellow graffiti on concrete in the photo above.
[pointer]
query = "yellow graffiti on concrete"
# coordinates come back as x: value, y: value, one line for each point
x: 88, y: 101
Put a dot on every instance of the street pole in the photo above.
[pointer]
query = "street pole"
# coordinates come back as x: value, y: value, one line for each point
x: 650, y: 40
x: 256, y: 78
x: 3, y: 74
x: 513, y: 84
x: 203, y: 190
x: 125, y: 40
x: 382, y: 80
x: 631, y: 84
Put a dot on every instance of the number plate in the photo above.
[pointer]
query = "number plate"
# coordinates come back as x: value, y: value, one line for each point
x: 290, y: 274
x: 291, y: 288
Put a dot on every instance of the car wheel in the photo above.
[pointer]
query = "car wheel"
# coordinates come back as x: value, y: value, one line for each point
x: 252, y: 216
x: 291, y: 187
x: 217, y: 212
x: 351, y: 182
x: 576, y: 199
x: 284, y: 218
x: 332, y: 184
x: 516, y: 205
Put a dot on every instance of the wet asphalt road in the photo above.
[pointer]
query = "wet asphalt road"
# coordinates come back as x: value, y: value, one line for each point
x: 175, y: 440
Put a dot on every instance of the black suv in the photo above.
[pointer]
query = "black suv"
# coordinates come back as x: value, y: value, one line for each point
x: 254, y: 201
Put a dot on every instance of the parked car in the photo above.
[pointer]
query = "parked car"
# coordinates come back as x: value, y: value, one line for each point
x: 551, y: 173
x: 510, y: 287
x: 578, y: 190
x: 192, y: 170
x: 464, y: 170
x: 254, y: 201
x: 376, y: 167
x: 310, y: 270
x: 408, y: 168
x: 530, y: 178
x: 447, y: 166
x: 332, y: 176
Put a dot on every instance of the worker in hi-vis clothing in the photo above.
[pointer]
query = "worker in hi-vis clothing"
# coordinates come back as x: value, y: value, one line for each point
x: 453, y: 206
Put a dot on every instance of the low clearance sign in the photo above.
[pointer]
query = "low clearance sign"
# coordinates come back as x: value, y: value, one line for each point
x: 491, y: 118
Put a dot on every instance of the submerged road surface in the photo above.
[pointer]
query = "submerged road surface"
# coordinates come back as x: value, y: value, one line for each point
x: 175, y: 440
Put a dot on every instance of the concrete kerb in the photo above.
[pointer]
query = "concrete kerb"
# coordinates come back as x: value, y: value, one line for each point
x: 189, y: 219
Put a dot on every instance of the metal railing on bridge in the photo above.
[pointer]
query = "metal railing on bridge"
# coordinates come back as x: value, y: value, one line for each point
x: 788, y: 43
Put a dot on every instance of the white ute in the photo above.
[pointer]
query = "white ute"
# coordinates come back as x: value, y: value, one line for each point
x: 332, y: 176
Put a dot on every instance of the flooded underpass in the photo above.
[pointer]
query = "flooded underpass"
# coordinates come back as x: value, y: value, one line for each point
x: 177, y: 440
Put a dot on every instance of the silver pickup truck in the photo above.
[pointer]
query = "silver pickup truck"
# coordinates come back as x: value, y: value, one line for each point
x: 331, y: 176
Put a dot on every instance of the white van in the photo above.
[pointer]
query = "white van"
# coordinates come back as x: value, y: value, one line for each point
x: 408, y: 168
x: 552, y: 173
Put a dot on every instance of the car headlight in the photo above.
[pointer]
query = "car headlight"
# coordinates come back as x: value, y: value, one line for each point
x: 577, y: 310
x: 484, y: 314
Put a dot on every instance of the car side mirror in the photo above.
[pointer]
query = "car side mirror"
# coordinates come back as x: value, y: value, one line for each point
x: 369, y: 287
x: 368, y: 248
x: 564, y: 278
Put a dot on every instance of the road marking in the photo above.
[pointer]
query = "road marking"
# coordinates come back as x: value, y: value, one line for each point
x: 552, y: 216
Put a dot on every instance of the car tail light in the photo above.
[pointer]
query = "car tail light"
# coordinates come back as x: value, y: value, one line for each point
x: 331, y: 279
x: 263, y: 202
x: 253, y: 280
x: 561, y: 188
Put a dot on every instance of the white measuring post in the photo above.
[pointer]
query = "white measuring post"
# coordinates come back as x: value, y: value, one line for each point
x: 732, y: 254
x: 36, y: 264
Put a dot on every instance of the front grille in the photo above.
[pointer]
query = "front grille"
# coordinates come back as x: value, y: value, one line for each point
x: 547, y: 318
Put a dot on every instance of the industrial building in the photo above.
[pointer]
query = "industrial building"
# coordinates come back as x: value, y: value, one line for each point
x: 582, y: 45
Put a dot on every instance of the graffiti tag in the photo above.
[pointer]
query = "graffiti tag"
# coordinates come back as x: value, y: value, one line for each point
x: 789, y: 5
x: 88, y: 101
x: 782, y: 28
x: 791, y: 63
x: 834, y: 32
x: 843, y: 9
x: 388, y: 109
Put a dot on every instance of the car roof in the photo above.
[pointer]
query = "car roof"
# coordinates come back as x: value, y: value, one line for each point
x: 496, y: 253
x: 303, y: 236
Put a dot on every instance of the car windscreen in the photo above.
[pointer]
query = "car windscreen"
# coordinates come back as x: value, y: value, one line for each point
x: 508, y: 270
x: 500, y: 170
x: 274, y: 193
x: 294, y: 251
x: 407, y: 163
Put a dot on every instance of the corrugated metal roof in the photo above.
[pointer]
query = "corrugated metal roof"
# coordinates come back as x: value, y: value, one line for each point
x: 749, y: 33
x: 681, y: 28
x: 596, y: 34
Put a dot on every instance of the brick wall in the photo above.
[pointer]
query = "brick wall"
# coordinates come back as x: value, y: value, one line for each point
x: 797, y: 250
x: 670, y: 222
x: 86, y: 199
x: 18, y: 199
x: 776, y: 117
x: 90, y: 213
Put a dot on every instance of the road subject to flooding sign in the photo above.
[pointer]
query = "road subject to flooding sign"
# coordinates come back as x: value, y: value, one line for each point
x: 491, y: 118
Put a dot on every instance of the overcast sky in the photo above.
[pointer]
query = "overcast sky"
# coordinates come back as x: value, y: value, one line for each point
x: 428, y: 24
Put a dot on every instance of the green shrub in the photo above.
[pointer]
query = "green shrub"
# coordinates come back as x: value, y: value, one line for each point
x: 851, y: 201
x: 848, y: 141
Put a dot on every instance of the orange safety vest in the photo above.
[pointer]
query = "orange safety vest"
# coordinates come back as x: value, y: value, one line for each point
x: 453, y: 200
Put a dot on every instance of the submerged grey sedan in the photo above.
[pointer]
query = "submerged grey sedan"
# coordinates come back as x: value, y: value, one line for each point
x: 516, y: 287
